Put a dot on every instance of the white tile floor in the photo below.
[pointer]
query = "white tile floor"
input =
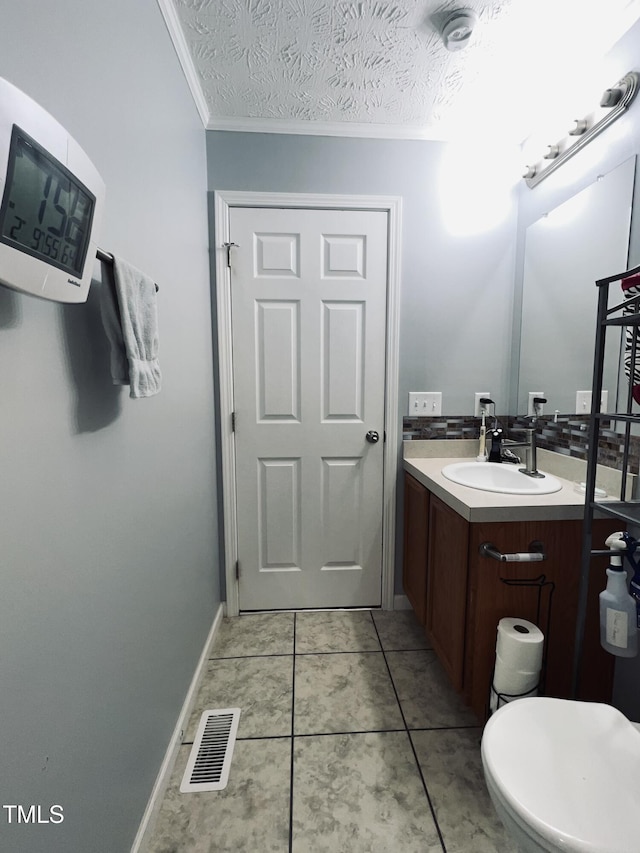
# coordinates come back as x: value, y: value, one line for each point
x: 350, y: 741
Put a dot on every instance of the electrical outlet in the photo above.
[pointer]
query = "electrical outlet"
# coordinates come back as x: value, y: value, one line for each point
x: 583, y: 402
x: 531, y: 411
x: 423, y: 403
x: 477, y: 408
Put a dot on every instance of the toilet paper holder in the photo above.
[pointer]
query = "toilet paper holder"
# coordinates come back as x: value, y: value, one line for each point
x: 533, y: 555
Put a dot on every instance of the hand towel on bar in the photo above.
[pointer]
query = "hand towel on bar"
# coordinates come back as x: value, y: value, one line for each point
x: 130, y: 319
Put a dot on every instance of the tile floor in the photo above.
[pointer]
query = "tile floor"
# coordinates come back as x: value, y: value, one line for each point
x: 350, y: 741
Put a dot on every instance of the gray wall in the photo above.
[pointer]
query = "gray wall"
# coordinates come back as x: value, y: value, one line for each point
x: 456, y: 290
x: 108, y: 526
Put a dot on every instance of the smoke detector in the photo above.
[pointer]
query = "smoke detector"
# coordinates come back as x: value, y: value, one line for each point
x: 457, y: 29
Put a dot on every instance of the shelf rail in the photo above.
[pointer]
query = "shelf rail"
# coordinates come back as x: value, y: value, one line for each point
x: 622, y: 509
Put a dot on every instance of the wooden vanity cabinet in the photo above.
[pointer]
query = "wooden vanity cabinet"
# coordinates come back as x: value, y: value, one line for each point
x: 466, y: 595
x: 552, y: 606
x: 446, y: 605
x: 416, y: 524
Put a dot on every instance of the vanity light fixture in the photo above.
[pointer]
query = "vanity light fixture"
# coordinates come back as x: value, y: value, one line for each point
x: 613, y: 103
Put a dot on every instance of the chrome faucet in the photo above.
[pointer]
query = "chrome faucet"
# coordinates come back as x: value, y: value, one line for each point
x: 531, y: 462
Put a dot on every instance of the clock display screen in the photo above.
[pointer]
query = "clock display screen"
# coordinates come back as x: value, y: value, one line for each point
x: 46, y: 212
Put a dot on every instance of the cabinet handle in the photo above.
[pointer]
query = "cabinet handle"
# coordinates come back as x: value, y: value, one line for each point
x: 534, y: 555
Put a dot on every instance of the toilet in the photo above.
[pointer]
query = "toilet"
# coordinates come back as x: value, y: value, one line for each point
x: 564, y: 775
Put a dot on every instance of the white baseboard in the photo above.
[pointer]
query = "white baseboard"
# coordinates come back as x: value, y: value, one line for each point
x: 401, y: 602
x: 164, y: 773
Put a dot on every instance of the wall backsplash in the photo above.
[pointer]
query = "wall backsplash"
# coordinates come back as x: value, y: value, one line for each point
x: 567, y: 435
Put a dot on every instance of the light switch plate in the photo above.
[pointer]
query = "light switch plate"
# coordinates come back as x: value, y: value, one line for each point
x: 583, y: 402
x: 424, y: 403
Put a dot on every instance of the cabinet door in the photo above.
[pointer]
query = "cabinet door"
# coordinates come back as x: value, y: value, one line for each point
x: 414, y: 566
x: 447, y: 587
x: 508, y: 589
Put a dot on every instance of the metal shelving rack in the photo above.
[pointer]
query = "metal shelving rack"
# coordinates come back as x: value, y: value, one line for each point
x: 625, y: 314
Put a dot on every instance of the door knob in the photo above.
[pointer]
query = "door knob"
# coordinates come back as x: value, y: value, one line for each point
x: 372, y: 436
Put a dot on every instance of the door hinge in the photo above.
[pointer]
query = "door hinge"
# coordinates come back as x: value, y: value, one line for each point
x: 228, y: 246
x: 237, y: 570
x: 233, y: 421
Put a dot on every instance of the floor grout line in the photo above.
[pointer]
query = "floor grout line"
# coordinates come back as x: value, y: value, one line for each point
x: 413, y: 749
x: 305, y: 654
x: 363, y: 651
x: 338, y: 652
x: 293, y: 706
x: 351, y: 732
x: 242, y: 657
x: 444, y: 728
x: 341, y: 733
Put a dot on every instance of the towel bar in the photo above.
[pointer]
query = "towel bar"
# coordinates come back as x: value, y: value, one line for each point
x: 535, y: 553
x: 106, y: 258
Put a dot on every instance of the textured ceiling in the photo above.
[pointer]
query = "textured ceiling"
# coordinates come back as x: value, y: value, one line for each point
x: 357, y: 64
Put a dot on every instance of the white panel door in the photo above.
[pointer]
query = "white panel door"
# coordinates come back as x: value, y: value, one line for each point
x: 309, y: 290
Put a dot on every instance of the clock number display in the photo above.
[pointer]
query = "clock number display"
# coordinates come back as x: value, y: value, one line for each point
x: 46, y: 212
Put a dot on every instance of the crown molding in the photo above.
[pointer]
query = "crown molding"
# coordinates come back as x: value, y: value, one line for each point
x: 321, y: 128
x: 184, y: 57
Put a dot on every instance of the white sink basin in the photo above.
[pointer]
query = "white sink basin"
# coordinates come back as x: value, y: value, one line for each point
x: 500, y: 477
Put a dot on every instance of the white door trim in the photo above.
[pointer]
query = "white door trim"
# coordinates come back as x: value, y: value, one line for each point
x: 223, y: 200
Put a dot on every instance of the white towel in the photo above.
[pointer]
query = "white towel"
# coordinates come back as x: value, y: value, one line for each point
x: 130, y: 319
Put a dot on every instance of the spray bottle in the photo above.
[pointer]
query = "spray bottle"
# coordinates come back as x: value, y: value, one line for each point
x: 618, y: 617
x: 634, y: 586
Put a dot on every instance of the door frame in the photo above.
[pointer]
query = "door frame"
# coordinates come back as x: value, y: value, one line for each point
x: 392, y: 205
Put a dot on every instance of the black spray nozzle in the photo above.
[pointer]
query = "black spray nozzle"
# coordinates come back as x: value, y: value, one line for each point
x: 632, y: 546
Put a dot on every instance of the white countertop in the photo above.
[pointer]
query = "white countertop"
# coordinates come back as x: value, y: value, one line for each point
x: 477, y: 505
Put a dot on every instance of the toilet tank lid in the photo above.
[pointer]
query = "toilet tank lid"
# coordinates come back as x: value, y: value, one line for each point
x: 570, y: 770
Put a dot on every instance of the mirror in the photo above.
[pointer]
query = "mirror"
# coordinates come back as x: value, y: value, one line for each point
x: 582, y: 240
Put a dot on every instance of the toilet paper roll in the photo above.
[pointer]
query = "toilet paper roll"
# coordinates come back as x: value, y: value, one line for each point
x: 519, y: 644
x: 505, y: 666
x: 506, y: 680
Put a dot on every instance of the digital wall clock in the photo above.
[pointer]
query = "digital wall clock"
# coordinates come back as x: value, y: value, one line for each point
x: 52, y: 198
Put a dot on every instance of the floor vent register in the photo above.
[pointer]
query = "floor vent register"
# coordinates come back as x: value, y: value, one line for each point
x: 210, y: 757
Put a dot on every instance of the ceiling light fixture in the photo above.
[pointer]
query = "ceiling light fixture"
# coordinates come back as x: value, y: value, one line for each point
x: 613, y: 103
x: 457, y: 29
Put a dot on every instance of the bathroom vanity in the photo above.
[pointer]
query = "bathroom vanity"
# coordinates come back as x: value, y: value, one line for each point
x: 459, y: 595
